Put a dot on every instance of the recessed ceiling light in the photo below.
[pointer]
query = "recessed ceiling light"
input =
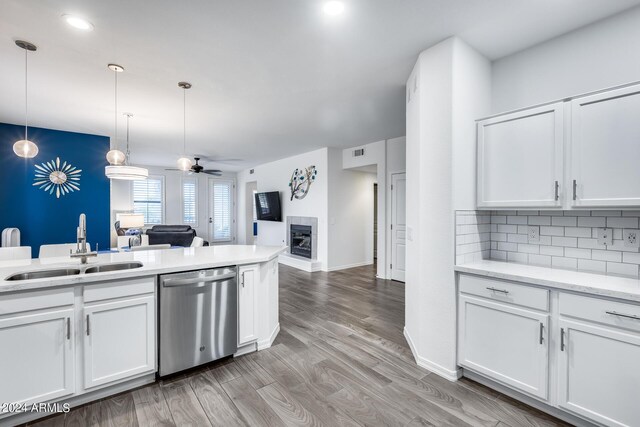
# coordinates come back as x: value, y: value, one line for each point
x: 333, y: 7
x: 77, y: 22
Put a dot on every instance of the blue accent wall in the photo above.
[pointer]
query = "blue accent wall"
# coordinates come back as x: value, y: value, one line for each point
x: 41, y: 217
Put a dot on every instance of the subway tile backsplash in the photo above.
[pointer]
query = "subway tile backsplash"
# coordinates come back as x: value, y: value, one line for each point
x: 567, y: 239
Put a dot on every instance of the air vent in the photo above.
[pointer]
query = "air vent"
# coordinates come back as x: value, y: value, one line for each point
x: 251, y: 171
x: 358, y: 152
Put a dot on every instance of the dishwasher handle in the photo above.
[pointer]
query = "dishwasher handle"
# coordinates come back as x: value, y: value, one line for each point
x: 171, y: 283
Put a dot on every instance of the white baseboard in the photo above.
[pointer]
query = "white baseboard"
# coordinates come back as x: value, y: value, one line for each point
x: 269, y: 341
x: 448, y: 374
x: 344, y: 267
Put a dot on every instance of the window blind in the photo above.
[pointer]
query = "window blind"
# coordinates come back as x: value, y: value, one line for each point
x: 222, y: 210
x: 189, y: 201
x: 148, y: 200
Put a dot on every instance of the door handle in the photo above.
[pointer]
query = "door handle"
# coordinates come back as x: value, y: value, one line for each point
x: 557, y: 191
x: 210, y: 220
x: 561, y: 339
x: 575, y: 189
x: 242, y: 281
x: 88, y: 326
x: 541, y: 332
x: 68, y: 328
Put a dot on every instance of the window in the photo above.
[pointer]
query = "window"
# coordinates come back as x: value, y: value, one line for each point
x: 148, y: 199
x: 222, y: 199
x: 190, y: 201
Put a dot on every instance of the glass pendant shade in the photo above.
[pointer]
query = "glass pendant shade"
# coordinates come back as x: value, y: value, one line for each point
x: 184, y: 164
x: 115, y: 157
x: 25, y: 148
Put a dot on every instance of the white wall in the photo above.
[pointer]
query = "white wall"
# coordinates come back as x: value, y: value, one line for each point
x: 440, y: 103
x: 595, y: 57
x: 350, y: 214
x: 121, y: 198
x: 274, y: 176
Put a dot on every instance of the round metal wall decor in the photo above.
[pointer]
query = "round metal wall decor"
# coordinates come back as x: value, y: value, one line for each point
x: 301, y: 180
x: 56, y: 178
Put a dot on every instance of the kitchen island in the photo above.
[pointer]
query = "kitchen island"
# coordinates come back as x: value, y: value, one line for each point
x: 93, y: 331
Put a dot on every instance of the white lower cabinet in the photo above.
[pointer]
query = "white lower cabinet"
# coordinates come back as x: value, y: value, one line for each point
x: 599, y: 373
x: 506, y: 343
x: 119, y: 340
x: 37, y: 355
x: 595, y: 343
x: 247, y: 303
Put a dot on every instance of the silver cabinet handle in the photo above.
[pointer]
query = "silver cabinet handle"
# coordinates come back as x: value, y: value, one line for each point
x: 561, y: 339
x: 541, y: 332
x: 557, y: 190
x: 68, y: 328
x: 627, y: 316
x: 575, y: 189
x: 243, y: 279
x: 88, y: 326
x: 502, y: 291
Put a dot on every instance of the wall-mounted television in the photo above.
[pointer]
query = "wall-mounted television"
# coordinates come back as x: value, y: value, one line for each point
x: 268, y: 206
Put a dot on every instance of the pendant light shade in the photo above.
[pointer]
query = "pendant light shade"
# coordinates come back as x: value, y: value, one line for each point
x: 184, y: 162
x: 125, y: 171
x: 115, y: 157
x: 24, y: 147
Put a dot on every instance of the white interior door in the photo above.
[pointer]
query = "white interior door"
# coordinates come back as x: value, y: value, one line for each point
x: 398, y: 225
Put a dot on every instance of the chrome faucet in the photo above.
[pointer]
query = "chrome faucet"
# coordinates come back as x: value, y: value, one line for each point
x: 81, y: 243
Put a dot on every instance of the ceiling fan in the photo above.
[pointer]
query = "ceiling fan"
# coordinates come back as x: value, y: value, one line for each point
x: 197, y: 168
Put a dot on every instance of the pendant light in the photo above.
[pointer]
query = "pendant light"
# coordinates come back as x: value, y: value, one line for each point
x: 184, y: 162
x: 126, y: 171
x: 24, y: 147
x: 119, y: 167
x: 115, y: 157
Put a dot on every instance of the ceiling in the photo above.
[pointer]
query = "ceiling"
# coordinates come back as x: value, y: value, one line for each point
x: 270, y: 78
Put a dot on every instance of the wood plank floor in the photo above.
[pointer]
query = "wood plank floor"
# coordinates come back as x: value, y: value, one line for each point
x: 340, y: 360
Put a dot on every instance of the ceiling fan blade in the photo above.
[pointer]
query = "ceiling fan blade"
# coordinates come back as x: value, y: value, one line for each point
x: 212, y: 170
x: 173, y: 169
x: 214, y: 173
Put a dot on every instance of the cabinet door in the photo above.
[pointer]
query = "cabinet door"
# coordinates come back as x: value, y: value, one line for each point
x: 37, y: 356
x: 505, y: 343
x: 520, y: 158
x: 247, y: 307
x: 599, y: 373
x: 119, y: 340
x: 605, y: 148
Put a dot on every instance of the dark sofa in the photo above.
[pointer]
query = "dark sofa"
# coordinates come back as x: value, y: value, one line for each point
x: 175, y: 235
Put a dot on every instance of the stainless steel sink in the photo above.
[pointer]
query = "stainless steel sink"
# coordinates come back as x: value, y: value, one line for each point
x: 116, y: 266
x: 43, y: 274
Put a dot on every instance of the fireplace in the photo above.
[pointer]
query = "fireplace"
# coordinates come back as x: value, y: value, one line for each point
x: 301, y: 240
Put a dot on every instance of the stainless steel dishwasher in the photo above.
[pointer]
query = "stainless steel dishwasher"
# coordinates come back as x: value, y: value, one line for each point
x: 198, y: 318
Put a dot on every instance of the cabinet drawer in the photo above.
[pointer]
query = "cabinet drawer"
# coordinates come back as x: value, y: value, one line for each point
x: 509, y: 292
x: 125, y: 288
x: 613, y: 313
x: 35, y: 300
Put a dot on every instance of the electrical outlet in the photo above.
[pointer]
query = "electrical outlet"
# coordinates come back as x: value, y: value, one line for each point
x: 533, y: 234
x: 631, y: 238
x: 605, y: 236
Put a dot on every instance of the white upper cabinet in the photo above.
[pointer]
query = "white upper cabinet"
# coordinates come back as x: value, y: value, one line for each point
x: 605, y: 149
x: 520, y: 159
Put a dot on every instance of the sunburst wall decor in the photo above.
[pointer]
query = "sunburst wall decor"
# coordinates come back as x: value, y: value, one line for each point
x: 56, y: 178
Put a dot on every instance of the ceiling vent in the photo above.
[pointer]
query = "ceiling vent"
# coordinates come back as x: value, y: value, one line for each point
x: 358, y: 152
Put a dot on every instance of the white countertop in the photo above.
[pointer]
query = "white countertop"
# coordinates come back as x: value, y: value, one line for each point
x: 154, y: 262
x: 596, y: 284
